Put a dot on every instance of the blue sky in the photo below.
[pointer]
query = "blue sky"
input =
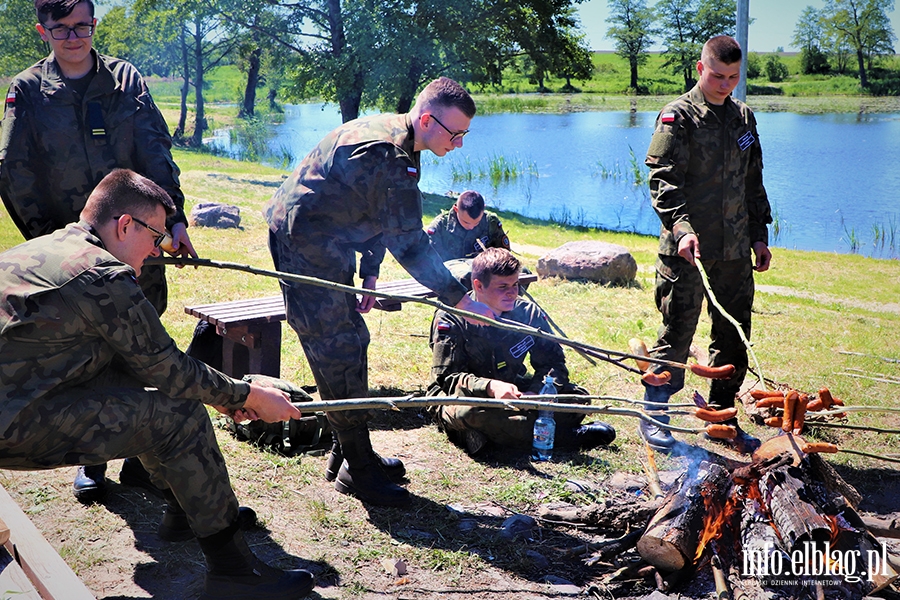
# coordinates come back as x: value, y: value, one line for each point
x: 774, y: 25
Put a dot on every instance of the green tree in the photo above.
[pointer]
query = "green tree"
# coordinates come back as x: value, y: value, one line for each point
x: 808, y: 36
x: 686, y: 25
x: 146, y: 40
x: 864, y: 26
x: 754, y: 65
x: 21, y: 45
x: 633, y: 30
x: 775, y: 69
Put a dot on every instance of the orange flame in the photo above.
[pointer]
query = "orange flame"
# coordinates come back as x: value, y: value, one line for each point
x: 715, y: 518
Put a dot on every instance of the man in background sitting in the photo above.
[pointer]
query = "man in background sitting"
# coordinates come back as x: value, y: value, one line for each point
x: 489, y: 362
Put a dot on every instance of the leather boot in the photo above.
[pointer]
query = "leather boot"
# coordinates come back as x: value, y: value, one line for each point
x: 392, y: 467
x: 134, y: 474
x: 236, y: 574
x: 656, y: 437
x: 592, y: 435
x: 174, y: 526
x: 90, y: 483
x: 361, y: 474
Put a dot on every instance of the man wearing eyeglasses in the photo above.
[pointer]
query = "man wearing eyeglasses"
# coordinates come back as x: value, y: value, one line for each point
x: 68, y: 121
x: 358, y: 192
x: 69, y: 307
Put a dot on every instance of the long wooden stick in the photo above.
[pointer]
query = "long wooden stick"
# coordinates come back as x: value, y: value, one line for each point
x: 879, y: 379
x: 732, y: 320
x: 610, y: 356
x: 884, y: 358
x: 536, y: 402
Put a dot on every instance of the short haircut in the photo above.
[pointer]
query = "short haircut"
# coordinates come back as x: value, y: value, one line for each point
x: 58, y: 9
x: 124, y: 191
x: 723, y: 48
x: 471, y: 202
x: 443, y: 92
x: 494, y: 261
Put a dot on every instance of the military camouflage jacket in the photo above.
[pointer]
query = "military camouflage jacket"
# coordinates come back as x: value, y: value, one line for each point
x: 452, y: 240
x: 67, y: 307
x: 706, y: 178
x: 55, y: 146
x: 466, y: 357
x: 359, y: 190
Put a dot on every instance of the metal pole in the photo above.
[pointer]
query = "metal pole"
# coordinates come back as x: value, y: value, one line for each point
x: 743, y: 19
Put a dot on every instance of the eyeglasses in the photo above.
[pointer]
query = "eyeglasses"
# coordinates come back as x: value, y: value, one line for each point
x: 61, y: 32
x: 158, y: 238
x: 454, y: 135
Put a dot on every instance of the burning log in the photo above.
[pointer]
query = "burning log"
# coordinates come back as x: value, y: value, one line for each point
x: 670, y: 541
x: 609, y: 514
x: 796, y: 519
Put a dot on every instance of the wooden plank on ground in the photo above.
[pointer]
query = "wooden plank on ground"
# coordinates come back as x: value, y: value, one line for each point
x: 48, y: 572
x: 14, y: 583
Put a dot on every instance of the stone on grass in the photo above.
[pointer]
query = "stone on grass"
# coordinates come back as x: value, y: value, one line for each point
x: 394, y: 566
x: 600, y: 262
x: 517, y: 526
x: 215, y: 214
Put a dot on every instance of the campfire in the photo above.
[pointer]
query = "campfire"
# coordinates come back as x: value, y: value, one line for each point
x: 782, y: 521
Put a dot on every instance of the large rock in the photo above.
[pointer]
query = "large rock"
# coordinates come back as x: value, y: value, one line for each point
x: 215, y: 214
x: 594, y: 261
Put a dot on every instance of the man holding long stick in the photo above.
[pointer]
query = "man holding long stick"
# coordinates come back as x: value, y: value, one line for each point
x: 706, y: 186
x: 358, y: 192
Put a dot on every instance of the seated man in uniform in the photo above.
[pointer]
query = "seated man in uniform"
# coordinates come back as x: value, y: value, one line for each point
x: 466, y: 229
x: 70, y: 306
x: 489, y: 362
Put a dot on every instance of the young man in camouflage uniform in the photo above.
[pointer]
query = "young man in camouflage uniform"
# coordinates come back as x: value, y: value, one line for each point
x: 69, y: 306
x: 69, y: 120
x: 706, y: 186
x: 466, y: 229
x: 490, y: 362
x: 358, y: 192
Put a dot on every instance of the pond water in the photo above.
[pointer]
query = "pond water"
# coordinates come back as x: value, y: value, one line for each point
x: 832, y: 179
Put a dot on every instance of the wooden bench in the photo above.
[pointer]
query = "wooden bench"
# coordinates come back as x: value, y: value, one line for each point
x: 30, y: 569
x: 251, y: 329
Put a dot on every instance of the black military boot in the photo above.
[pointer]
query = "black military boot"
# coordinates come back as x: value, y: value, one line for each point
x: 594, y: 434
x: 174, y: 526
x: 393, y: 467
x: 90, y: 483
x: 236, y: 574
x: 134, y: 474
x: 656, y: 437
x: 361, y: 474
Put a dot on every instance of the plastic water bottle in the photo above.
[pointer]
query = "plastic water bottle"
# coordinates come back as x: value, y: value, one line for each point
x: 544, y: 427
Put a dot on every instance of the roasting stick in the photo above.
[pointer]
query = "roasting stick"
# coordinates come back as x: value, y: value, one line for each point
x: 732, y: 320
x: 611, y: 356
x: 652, y: 473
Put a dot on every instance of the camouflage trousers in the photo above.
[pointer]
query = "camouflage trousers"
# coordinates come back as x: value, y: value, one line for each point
x: 115, y: 417
x: 505, y: 428
x: 679, y: 297
x: 334, y: 336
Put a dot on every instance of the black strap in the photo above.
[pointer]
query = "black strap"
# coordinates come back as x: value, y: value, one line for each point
x: 95, y: 121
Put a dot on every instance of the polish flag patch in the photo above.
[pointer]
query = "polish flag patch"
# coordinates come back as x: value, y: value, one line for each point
x: 11, y: 97
x: 668, y: 117
x: 412, y: 171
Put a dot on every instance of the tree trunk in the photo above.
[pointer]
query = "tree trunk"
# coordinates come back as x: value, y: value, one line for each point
x: 349, y: 96
x: 185, y: 86
x: 200, y: 115
x: 671, y: 538
x: 861, y: 60
x: 634, y: 73
x: 273, y: 106
x: 252, y: 82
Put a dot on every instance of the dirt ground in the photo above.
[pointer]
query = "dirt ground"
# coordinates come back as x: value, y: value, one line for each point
x: 449, y: 538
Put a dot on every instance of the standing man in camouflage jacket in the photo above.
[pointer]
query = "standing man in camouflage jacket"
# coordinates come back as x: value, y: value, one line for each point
x: 706, y: 186
x: 358, y: 192
x: 69, y: 120
x: 466, y: 229
x: 69, y: 307
x: 488, y: 362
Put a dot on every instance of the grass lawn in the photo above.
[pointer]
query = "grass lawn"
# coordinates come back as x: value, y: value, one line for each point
x: 809, y: 308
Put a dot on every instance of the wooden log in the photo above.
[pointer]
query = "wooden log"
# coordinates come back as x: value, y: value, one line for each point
x: 671, y: 538
x: 884, y: 528
x: 610, y: 515
x: 820, y: 470
x: 796, y: 519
